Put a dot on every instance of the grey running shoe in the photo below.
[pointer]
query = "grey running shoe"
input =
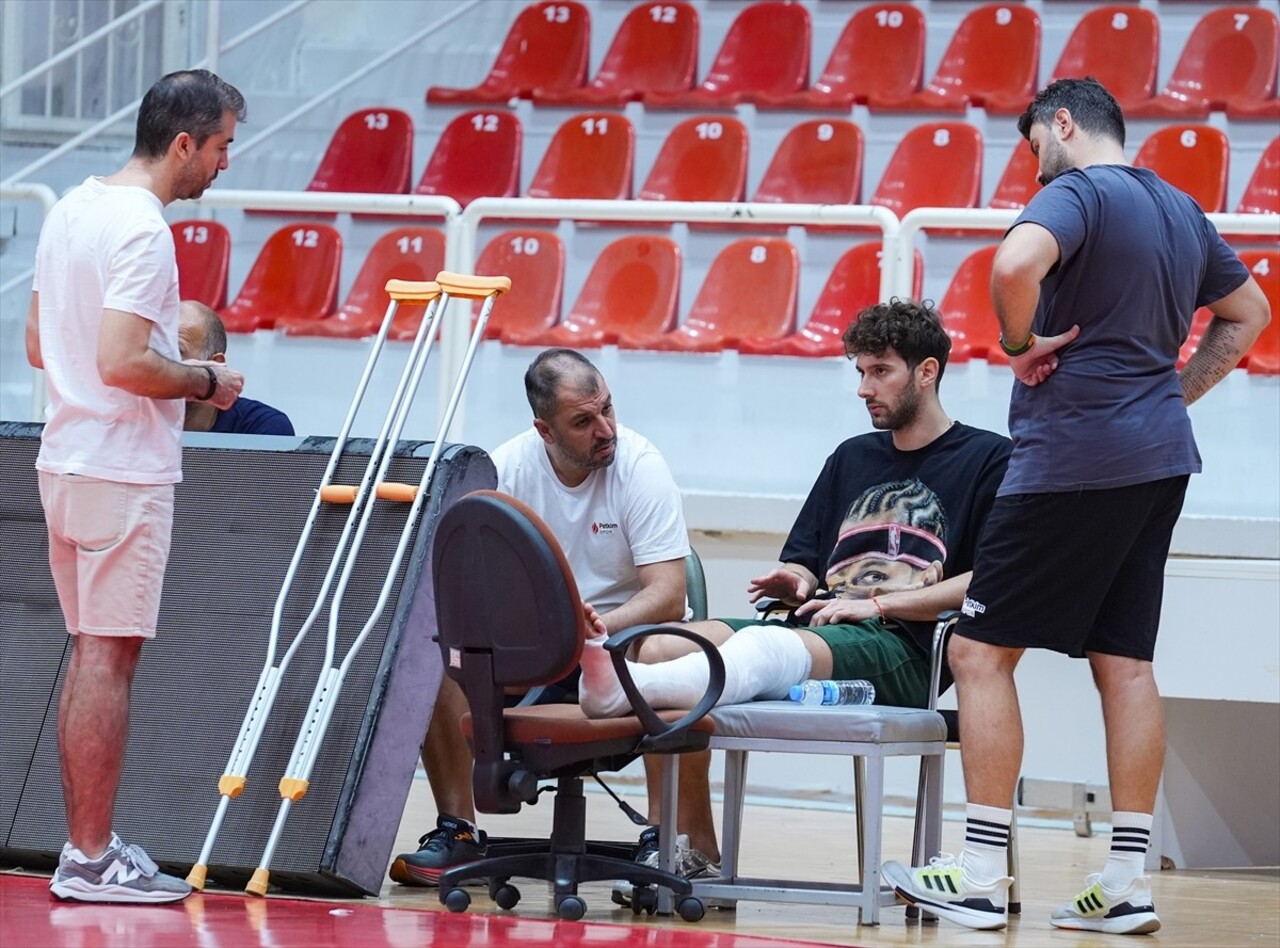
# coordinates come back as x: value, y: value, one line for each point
x: 1127, y: 912
x: 121, y: 874
x: 690, y: 864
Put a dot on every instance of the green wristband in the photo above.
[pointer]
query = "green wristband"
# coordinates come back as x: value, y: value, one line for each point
x: 1012, y: 351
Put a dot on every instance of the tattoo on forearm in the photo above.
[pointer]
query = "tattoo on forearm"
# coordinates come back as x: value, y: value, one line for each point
x: 1219, y: 352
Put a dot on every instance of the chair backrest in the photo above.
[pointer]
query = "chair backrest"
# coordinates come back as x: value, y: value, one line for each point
x: 405, y: 253
x: 546, y: 48
x: 703, y: 159
x: 534, y: 259
x: 1264, y: 355
x: 590, y: 156
x: 879, y: 52
x: 294, y: 278
x: 204, y: 253
x: 654, y: 50
x: 1262, y: 193
x: 749, y: 290
x: 967, y: 313
x: 507, y: 606
x: 477, y: 155
x: 1193, y: 158
x: 695, y: 586
x: 915, y: 176
x: 995, y: 52
x: 633, y: 287
x: 853, y: 285
x: 1230, y: 57
x: 1117, y: 45
x: 370, y: 153
x: 818, y: 162
x: 1018, y: 183
x: 766, y: 49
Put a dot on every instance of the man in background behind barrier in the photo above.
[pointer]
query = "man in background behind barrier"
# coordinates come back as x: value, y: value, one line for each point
x: 103, y: 324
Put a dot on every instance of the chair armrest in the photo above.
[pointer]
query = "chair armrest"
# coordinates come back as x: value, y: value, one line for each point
x: 664, y: 736
x: 941, y: 632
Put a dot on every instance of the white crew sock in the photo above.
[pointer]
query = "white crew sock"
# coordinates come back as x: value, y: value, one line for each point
x: 759, y: 662
x: 986, y: 843
x: 1130, y: 839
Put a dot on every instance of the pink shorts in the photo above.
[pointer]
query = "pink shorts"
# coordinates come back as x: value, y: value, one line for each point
x: 108, y: 546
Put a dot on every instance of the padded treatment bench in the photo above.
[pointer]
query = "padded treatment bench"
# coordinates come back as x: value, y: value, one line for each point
x: 869, y: 734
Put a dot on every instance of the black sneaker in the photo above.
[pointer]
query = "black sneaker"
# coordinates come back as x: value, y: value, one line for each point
x: 450, y: 844
x: 690, y: 864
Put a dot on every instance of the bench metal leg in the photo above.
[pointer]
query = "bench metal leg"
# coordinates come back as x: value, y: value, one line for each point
x: 735, y: 790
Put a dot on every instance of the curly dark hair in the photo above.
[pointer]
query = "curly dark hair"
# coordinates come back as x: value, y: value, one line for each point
x: 911, y: 328
x: 1092, y: 108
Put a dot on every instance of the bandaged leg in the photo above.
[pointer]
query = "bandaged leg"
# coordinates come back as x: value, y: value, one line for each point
x: 760, y: 661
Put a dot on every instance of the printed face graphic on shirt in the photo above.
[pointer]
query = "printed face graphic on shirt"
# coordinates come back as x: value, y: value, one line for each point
x: 893, y: 538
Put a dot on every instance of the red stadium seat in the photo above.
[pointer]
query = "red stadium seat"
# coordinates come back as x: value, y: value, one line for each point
x: 1018, y: 184
x: 938, y: 164
x: 370, y: 153
x: 703, y: 159
x: 204, y: 253
x: 1262, y: 193
x: 546, y: 48
x: 992, y: 61
x: 1193, y: 158
x: 633, y: 288
x: 854, y: 285
x: 818, y: 162
x: 294, y: 279
x: 1199, y: 320
x: 967, y: 312
x: 1117, y: 45
x: 880, y: 53
x: 655, y: 50
x: 1228, y: 63
x: 765, y: 52
x: 1264, y: 356
x: 478, y: 155
x: 749, y: 291
x: 534, y: 259
x: 590, y: 156
x: 405, y: 253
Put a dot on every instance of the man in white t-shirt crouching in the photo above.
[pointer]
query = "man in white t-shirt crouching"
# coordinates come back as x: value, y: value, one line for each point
x: 609, y: 499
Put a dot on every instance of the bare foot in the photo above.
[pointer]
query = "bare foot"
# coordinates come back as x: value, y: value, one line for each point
x: 600, y: 693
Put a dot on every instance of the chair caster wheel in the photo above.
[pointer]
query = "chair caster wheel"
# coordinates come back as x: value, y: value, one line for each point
x: 644, y: 898
x: 571, y: 908
x: 691, y: 909
x: 506, y: 896
x: 457, y: 900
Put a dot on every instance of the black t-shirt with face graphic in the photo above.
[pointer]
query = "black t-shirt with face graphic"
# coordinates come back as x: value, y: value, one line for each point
x: 879, y: 519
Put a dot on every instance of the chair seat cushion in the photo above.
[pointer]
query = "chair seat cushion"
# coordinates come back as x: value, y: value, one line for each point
x: 786, y: 720
x: 566, y: 724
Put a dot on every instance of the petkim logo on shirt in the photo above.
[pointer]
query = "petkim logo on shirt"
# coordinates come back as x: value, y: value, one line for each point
x: 600, y: 526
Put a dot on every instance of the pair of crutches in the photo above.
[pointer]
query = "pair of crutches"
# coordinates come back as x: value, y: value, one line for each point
x: 373, y: 485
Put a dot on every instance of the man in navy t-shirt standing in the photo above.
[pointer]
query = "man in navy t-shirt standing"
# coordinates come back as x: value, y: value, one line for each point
x: 1094, y: 286
x: 201, y: 335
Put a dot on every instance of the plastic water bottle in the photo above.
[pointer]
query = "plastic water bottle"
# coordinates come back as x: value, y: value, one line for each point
x: 827, y: 691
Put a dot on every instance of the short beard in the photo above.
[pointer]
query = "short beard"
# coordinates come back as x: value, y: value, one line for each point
x: 903, y: 415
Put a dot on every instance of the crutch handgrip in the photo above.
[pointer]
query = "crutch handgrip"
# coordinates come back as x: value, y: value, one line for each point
x: 231, y: 785
x: 405, y: 493
x: 258, y: 883
x: 338, y: 494
x: 468, y: 287
x: 293, y: 788
x: 196, y: 877
x: 412, y: 291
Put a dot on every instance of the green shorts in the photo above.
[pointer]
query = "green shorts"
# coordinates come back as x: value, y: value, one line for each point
x: 868, y: 650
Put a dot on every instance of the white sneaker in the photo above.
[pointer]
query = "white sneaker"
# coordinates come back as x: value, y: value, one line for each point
x: 121, y: 874
x: 941, y: 888
x: 1127, y: 912
x: 690, y: 864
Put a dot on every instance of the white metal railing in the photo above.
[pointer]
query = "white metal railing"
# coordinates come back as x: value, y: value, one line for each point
x: 42, y: 194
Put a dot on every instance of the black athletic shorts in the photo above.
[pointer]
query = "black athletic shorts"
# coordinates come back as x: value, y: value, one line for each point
x: 1074, y: 572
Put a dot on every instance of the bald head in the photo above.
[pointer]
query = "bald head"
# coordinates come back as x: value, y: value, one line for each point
x: 201, y: 334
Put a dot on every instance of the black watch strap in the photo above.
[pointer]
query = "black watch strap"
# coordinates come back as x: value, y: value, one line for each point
x: 213, y: 384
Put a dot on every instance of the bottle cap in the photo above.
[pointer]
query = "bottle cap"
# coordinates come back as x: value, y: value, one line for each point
x: 796, y: 693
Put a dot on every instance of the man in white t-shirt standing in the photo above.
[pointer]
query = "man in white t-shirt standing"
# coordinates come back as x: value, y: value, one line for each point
x: 611, y: 502
x: 103, y: 324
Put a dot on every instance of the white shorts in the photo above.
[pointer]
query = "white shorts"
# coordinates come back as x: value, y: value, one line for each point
x: 108, y: 547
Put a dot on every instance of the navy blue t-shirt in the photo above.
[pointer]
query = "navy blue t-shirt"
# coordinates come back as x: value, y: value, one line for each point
x: 249, y: 417
x: 1138, y: 257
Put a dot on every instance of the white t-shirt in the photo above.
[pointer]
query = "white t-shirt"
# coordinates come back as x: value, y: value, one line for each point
x: 106, y: 247
x: 626, y: 515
